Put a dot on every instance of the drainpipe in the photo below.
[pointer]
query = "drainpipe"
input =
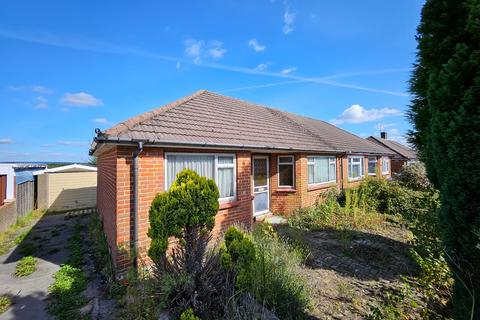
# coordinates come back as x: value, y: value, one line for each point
x: 341, y: 171
x: 135, y: 201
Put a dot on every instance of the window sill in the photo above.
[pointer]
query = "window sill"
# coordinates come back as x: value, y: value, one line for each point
x: 228, y: 205
x: 285, y: 190
x: 355, y: 179
x: 320, y: 186
x: 372, y: 174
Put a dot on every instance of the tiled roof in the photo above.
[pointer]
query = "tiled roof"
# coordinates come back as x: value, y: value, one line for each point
x: 401, y: 150
x: 210, y: 119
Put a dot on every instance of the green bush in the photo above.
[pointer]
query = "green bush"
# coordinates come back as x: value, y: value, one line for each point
x: 188, y: 207
x: 414, y: 176
x: 190, y: 276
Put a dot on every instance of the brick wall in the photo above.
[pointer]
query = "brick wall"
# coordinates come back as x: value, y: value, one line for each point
x: 115, y: 197
x: 106, y: 195
x: 115, y: 193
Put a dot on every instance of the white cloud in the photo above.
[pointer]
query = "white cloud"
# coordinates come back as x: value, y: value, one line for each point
x: 6, y: 141
x: 73, y: 143
x: 261, y: 67
x: 104, y: 47
x: 288, y: 20
x: 288, y: 70
x: 216, y: 50
x: 41, y: 103
x: 14, y: 88
x: 101, y: 121
x: 358, y: 114
x: 42, y: 89
x: 198, y: 49
x: 80, y: 99
x: 253, y: 43
x: 193, y: 48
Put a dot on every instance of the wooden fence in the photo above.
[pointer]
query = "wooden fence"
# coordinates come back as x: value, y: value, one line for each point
x: 25, y: 198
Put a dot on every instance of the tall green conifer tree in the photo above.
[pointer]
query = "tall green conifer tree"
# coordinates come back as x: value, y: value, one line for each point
x: 445, y: 112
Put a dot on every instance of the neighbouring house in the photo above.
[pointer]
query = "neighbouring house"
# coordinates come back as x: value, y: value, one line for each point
x: 403, y: 155
x: 262, y: 159
x: 67, y: 187
x: 14, y: 174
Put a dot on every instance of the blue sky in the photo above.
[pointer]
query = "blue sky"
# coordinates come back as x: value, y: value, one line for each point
x: 68, y: 67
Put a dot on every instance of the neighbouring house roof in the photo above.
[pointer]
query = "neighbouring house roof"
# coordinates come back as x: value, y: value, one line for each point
x: 208, y: 119
x: 69, y: 168
x: 401, y: 150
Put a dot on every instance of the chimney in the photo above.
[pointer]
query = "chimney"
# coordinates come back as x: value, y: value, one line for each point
x: 383, y: 135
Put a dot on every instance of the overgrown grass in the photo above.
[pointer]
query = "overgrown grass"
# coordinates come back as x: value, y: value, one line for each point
x: 277, y: 280
x: 8, y: 238
x: 5, y: 303
x: 25, y: 266
x: 102, y: 257
x: 355, y: 214
x: 66, y: 293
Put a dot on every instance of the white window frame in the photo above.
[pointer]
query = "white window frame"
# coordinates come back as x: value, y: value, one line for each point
x: 292, y: 163
x: 387, y: 161
x: 368, y: 166
x: 331, y: 159
x: 362, y: 167
x: 215, y: 171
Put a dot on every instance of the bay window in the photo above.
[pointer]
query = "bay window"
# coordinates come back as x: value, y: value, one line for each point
x: 321, y: 169
x: 372, y: 166
x: 219, y: 167
x: 355, y: 168
x: 286, y: 171
x: 385, y: 165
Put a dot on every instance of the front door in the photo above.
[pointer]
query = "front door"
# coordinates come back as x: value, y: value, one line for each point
x: 261, y: 195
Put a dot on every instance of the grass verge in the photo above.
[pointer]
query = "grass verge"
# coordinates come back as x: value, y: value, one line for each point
x: 26, y: 266
x: 8, y: 238
x: 66, y: 293
x: 5, y: 303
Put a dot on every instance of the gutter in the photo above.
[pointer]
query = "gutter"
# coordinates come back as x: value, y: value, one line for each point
x: 135, y: 201
x: 166, y: 143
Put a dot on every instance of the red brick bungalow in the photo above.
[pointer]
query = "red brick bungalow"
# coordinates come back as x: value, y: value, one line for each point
x: 403, y: 155
x: 263, y: 160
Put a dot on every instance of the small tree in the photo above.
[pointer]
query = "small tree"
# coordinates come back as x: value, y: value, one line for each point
x: 186, y: 212
x: 190, y: 276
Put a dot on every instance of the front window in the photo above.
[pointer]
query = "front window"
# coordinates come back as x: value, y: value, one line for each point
x: 372, y: 166
x: 321, y: 169
x: 286, y: 171
x: 385, y: 165
x: 355, y: 168
x: 219, y: 167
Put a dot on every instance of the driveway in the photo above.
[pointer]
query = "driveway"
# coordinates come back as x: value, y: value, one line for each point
x: 48, y: 242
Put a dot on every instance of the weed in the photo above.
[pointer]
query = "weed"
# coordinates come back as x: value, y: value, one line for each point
x: 66, y: 296
x: 18, y: 239
x: 26, y: 266
x: 7, y: 237
x: 5, y: 303
x: 66, y: 292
